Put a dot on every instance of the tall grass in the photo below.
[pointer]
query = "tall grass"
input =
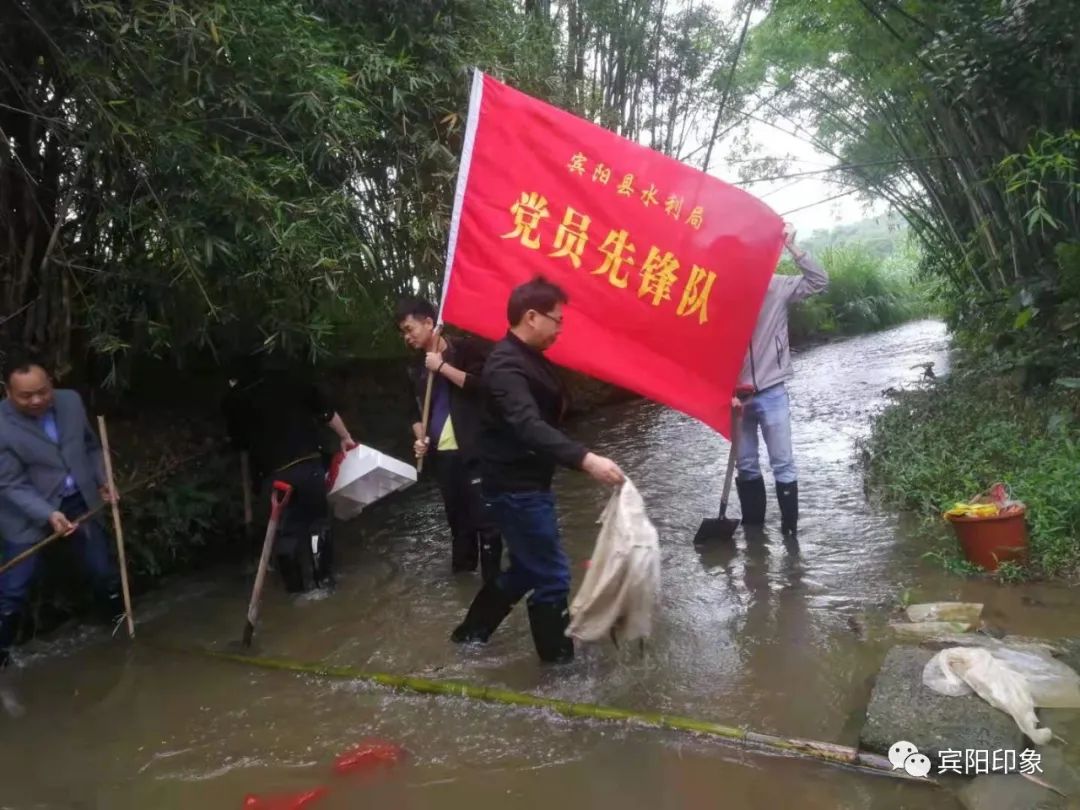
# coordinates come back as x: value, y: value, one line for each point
x: 865, y: 293
x: 944, y: 444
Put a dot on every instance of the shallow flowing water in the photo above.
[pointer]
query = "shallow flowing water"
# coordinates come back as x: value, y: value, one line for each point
x: 756, y: 636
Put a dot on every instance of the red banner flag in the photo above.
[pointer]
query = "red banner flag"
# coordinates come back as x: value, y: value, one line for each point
x: 665, y: 267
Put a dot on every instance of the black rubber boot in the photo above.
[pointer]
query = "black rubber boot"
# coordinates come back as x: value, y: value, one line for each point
x: 548, y: 623
x: 112, y: 607
x: 322, y: 559
x: 9, y: 628
x: 787, y: 495
x: 490, y: 556
x: 490, y: 606
x: 292, y: 572
x: 752, y: 500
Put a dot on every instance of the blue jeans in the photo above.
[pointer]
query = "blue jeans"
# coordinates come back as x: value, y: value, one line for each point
x: 770, y: 410
x: 91, y: 545
x: 531, y: 533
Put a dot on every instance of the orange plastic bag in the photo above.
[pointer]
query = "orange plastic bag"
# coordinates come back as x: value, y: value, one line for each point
x: 367, y: 756
x: 288, y: 801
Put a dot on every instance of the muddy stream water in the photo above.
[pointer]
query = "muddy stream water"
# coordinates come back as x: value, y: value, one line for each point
x: 779, y: 642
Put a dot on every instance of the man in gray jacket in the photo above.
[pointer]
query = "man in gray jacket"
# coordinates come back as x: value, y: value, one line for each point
x: 51, y: 474
x: 762, y: 394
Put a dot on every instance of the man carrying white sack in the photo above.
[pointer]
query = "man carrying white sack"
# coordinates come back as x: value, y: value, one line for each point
x: 520, y: 446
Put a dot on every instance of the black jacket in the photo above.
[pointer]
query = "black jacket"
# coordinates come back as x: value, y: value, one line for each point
x: 466, y: 403
x: 277, y: 419
x: 519, y: 443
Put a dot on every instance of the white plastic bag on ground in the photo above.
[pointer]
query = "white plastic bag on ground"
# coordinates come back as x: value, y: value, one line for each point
x: 1014, y: 681
x: 621, y: 586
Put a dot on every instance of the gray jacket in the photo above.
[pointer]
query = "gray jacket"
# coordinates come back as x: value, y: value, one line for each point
x: 768, y: 362
x: 33, y: 467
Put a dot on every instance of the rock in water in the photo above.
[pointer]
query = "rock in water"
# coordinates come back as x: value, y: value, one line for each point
x: 902, y: 708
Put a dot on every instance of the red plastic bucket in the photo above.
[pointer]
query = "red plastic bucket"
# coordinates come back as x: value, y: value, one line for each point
x: 991, y: 540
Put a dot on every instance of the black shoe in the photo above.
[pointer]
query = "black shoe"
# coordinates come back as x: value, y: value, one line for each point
x: 9, y: 629
x: 322, y: 559
x: 787, y: 495
x: 548, y: 623
x: 490, y: 557
x: 752, y: 500
x: 490, y: 606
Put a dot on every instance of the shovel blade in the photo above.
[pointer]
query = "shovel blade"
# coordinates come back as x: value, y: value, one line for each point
x: 714, y: 530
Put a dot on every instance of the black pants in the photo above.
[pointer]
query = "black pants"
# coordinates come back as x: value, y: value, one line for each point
x: 306, y: 514
x: 475, y: 536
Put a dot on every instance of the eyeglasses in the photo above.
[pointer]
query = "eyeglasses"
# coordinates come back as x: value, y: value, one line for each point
x: 551, y: 318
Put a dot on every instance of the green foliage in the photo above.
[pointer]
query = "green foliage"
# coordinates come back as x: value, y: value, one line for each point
x: 881, y: 236
x: 188, y: 519
x: 950, y: 442
x: 962, y: 115
x: 180, y: 180
x: 230, y: 176
x: 865, y: 294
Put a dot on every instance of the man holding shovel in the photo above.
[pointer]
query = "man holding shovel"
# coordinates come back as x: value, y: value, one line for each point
x: 52, y: 474
x: 276, y: 419
x: 762, y: 398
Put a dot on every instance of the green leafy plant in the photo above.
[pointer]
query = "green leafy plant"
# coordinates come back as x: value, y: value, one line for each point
x: 941, y: 445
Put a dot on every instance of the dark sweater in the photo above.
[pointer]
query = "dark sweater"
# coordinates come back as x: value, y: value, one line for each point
x: 466, y: 403
x: 277, y: 420
x: 520, y: 444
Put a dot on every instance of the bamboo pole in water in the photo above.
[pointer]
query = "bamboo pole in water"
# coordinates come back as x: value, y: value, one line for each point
x: 828, y: 753
x: 52, y: 538
x: 118, y: 527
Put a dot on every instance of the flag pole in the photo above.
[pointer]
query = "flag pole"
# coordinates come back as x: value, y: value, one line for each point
x: 476, y: 95
x: 426, y: 417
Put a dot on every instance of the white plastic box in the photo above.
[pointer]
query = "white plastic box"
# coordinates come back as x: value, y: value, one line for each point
x: 365, y: 476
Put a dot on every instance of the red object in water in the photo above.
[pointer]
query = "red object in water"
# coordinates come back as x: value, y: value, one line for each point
x: 289, y: 801
x: 587, y: 564
x: 367, y: 756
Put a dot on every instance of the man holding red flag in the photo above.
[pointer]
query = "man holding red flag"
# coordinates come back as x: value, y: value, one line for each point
x: 456, y: 402
x: 520, y: 446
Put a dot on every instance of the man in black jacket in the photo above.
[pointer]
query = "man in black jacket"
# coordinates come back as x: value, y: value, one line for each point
x: 520, y: 446
x: 276, y: 419
x: 453, y: 428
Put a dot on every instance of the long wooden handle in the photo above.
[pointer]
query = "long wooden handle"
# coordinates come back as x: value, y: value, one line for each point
x: 279, y: 497
x: 52, y: 538
x: 260, y: 574
x: 732, y: 456
x: 426, y: 415
x: 121, y: 557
